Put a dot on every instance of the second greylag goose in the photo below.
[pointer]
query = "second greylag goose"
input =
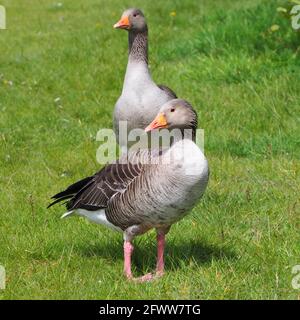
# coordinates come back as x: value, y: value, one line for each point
x: 141, y: 98
x: 139, y: 195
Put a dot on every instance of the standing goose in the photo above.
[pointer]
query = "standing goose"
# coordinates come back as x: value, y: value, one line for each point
x: 141, y: 98
x: 140, y: 195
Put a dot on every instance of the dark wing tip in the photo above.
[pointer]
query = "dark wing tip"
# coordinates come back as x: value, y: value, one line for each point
x: 59, y: 200
x: 71, y: 191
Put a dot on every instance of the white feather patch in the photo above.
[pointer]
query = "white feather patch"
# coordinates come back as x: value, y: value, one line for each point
x: 67, y: 214
x: 98, y: 217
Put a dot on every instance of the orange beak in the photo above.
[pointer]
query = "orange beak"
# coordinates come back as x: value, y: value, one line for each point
x: 123, y: 23
x: 159, y: 122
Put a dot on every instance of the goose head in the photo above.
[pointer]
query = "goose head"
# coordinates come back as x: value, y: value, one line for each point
x: 132, y: 20
x: 175, y: 114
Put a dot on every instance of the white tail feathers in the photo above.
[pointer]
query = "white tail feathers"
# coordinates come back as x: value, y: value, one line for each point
x: 67, y: 214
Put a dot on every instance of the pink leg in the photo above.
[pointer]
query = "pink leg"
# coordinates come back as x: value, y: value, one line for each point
x: 160, y: 265
x: 128, y: 248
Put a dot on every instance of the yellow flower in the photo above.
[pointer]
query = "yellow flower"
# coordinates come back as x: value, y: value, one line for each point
x: 281, y: 9
x: 274, y: 27
x: 7, y: 82
x: 173, y: 13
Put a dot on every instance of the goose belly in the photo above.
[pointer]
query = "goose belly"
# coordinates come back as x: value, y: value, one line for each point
x: 170, y: 191
x: 97, y: 216
x: 175, y: 203
x: 185, y: 182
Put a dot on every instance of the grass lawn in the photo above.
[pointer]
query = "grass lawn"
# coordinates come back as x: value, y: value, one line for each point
x: 61, y: 72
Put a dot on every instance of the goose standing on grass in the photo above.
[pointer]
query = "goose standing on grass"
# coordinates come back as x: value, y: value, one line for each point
x: 140, y: 195
x: 141, y: 98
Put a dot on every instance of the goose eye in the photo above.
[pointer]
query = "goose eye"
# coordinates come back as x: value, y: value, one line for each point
x: 135, y: 14
x: 172, y: 110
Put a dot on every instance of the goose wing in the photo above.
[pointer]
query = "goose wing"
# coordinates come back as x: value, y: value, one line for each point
x: 111, y: 180
x: 94, y: 192
x: 168, y: 91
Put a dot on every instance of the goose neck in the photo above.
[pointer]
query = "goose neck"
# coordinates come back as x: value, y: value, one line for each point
x: 137, y: 73
x: 138, y: 46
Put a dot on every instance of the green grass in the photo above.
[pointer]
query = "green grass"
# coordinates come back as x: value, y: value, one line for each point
x: 243, y: 238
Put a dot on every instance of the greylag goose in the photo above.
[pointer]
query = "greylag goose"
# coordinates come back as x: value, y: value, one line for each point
x: 141, y: 98
x: 139, y: 195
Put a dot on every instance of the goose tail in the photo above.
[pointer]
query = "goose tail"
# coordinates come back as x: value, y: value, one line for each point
x: 70, y: 192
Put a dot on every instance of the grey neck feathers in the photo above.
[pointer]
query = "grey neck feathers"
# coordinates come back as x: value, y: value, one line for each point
x: 190, y: 135
x: 189, y: 131
x: 138, y: 46
x: 192, y: 126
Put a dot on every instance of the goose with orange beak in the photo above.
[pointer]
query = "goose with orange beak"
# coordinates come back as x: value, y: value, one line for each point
x: 141, y: 97
x: 144, y: 193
